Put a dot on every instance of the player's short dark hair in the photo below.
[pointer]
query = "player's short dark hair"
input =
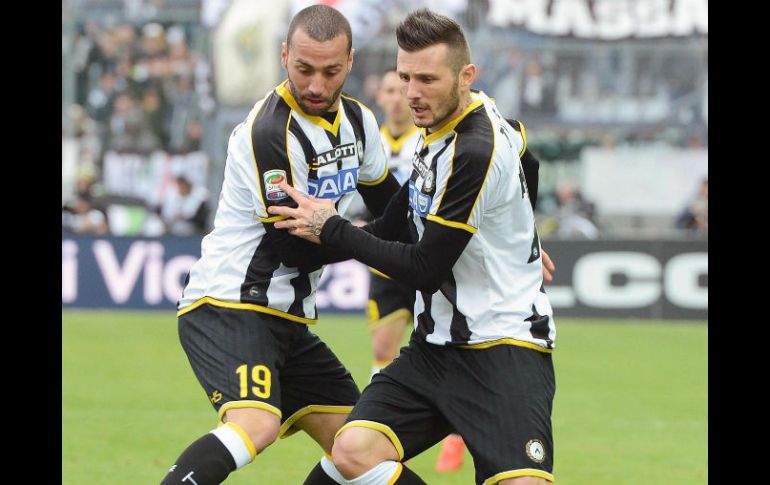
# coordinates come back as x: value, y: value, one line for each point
x: 321, y: 23
x: 424, y: 28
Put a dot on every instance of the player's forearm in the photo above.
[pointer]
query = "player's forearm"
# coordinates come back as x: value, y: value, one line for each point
x: 299, y: 253
x: 423, y: 266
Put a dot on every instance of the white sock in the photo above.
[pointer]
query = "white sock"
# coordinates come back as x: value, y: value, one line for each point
x: 332, y: 471
x: 379, y: 475
x: 235, y: 444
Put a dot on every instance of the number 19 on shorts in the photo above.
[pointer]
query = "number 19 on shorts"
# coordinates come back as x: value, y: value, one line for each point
x: 260, y: 375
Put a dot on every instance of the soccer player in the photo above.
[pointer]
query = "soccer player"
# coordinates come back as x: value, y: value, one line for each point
x: 245, y: 309
x: 479, y: 361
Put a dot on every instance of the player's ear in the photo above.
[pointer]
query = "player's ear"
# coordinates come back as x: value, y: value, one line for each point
x: 350, y: 59
x: 467, y: 75
x: 284, y: 55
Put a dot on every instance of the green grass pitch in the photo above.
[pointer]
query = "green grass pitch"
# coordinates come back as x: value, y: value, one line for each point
x: 631, y: 403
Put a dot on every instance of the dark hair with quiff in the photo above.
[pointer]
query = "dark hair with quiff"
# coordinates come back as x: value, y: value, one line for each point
x: 321, y: 23
x: 424, y: 28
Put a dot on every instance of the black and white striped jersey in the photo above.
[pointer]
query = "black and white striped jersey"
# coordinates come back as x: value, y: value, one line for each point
x: 239, y: 267
x: 399, y: 151
x: 468, y: 176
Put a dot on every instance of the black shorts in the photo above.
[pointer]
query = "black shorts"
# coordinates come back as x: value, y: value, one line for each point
x: 499, y: 399
x: 244, y: 358
x: 388, y: 300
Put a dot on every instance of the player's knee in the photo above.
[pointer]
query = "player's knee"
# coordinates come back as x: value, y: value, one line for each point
x: 349, y: 452
x: 356, y: 450
x: 260, y: 426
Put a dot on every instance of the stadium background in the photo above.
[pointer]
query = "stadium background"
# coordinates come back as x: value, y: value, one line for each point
x: 615, y: 97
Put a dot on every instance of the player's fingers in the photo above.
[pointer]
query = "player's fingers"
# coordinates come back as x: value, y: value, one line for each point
x: 292, y: 192
x: 547, y: 263
x: 547, y: 275
x: 281, y: 210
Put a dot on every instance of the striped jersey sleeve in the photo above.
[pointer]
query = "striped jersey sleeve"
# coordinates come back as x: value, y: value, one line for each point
x: 459, y: 202
x: 276, y: 154
x: 374, y: 166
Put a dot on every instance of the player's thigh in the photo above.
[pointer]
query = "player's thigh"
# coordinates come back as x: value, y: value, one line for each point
x: 236, y: 356
x: 322, y: 427
x: 507, y: 427
x: 398, y: 403
x: 259, y: 425
x: 315, y: 382
x: 387, y: 338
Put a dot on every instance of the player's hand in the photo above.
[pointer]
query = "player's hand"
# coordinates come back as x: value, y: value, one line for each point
x: 308, y: 218
x: 548, y: 266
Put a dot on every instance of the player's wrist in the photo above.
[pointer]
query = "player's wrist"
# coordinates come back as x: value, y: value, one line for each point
x: 320, y: 216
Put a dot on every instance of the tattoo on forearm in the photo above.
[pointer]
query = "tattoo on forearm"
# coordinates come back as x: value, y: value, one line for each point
x: 320, y: 216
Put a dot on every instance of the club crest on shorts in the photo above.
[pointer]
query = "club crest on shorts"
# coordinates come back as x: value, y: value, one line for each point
x: 272, y: 178
x: 535, y: 451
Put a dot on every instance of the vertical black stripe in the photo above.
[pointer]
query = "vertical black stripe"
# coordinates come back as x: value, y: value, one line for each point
x: 307, y: 148
x: 259, y: 273
x: 425, y: 323
x: 356, y: 117
x: 268, y: 138
x: 471, y: 160
x: 539, y: 328
x: 458, y: 329
x: 301, y: 285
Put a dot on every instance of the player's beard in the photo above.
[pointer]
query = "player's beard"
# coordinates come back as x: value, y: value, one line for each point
x: 315, y: 111
x: 451, y: 102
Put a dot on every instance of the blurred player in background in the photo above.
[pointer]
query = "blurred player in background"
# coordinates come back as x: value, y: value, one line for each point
x: 390, y: 305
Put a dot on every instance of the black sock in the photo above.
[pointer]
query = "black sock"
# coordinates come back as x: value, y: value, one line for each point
x: 318, y: 476
x: 408, y: 477
x: 206, y: 461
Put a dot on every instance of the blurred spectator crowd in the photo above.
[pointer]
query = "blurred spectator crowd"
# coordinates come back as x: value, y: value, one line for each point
x: 139, y: 89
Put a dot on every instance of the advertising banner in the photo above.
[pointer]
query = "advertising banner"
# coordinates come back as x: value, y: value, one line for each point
x: 615, y: 279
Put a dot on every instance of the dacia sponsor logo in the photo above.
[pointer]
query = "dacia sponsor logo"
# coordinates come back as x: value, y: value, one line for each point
x: 335, y: 154
x: 419, y: 201
x: 333, y: 186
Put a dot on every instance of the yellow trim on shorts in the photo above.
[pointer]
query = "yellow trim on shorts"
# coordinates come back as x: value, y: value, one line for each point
x: 456, y: 225
x: 395, y: 476
x: 247, y: 404
x: 286, y: 430
x: 389, y: 318
x: 372, y: 310
x: 382, y: 428
x: 507, y: 341
x: 245, y: 306
x: 524, y: 472
x: 244, y: 437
